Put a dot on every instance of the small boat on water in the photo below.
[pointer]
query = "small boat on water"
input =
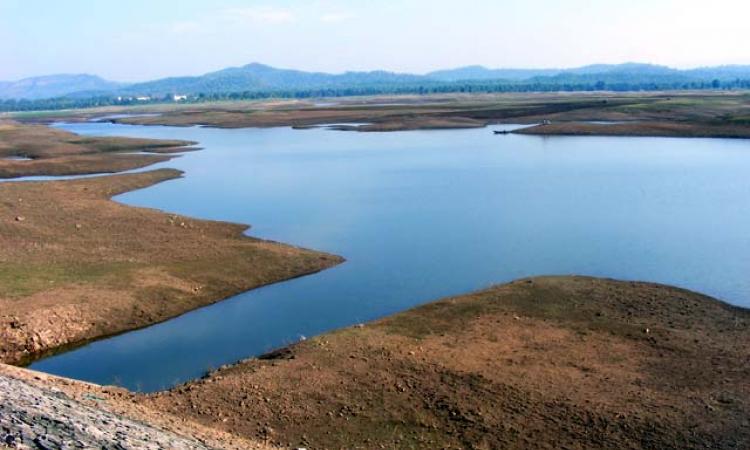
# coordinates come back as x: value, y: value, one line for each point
x: 501, y: 131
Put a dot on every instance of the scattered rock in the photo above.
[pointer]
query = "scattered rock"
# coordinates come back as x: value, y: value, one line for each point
x: 32, y: 417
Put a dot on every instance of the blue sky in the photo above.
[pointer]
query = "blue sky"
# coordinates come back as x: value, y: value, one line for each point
x: 139, y: 39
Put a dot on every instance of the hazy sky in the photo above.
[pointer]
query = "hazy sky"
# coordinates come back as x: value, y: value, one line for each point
x: 144, y: 39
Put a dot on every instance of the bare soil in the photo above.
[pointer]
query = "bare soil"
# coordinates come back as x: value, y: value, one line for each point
x: 705, y: 114
x: 76, y: 266
x: 545, y: 363
x: 50, y: 151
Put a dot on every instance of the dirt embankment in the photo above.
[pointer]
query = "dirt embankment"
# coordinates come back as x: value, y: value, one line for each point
x: 30, y: 150
x: 39, y: 411
x: 75, y: 265
x: 557, y: 362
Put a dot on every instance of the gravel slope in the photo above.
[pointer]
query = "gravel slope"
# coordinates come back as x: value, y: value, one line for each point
x: 40, y: 411
x: 36, y: 418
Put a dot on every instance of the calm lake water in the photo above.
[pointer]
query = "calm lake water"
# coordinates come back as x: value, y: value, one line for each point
x: 425, y: 214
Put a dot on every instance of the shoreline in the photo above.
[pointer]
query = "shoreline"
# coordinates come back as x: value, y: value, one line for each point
x: 674, y: 114
x: 168, y: 147
x: 77, y: 266
x: 620, y: 128
x: 639, y: 129
x: 593, y: 349
x: 538, y: 355
x: 72, y: 346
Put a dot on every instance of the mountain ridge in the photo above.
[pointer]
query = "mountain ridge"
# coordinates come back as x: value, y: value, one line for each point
x: 257, y: 77
x: 56, y: 85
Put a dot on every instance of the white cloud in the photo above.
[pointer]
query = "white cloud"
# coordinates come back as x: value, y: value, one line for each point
x: 262, y: 14
x: 335, y: 17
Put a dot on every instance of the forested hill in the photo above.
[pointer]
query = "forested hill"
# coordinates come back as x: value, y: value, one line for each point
x: 261, y: 81
x: 259, y: 77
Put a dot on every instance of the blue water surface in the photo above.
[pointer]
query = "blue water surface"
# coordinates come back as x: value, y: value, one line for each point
x: 420, y: 215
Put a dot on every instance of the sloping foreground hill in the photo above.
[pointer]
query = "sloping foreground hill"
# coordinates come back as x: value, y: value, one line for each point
x: 556, y: 362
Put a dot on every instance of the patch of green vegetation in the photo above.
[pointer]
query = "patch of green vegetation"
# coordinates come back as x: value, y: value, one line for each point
x: 20, y: 280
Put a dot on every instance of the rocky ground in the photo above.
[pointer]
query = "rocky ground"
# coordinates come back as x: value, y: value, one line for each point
x: 34, y: 418
x: 38, y: 411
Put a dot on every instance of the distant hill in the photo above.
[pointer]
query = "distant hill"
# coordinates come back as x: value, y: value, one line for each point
x: 470, y: 73
x: 258, y: 81
x: 629, y: 68
x: 483, y: 73
x: 257, y: 77
x: 628, y: 74
x: 722, y: 73
x: 55, y: 86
